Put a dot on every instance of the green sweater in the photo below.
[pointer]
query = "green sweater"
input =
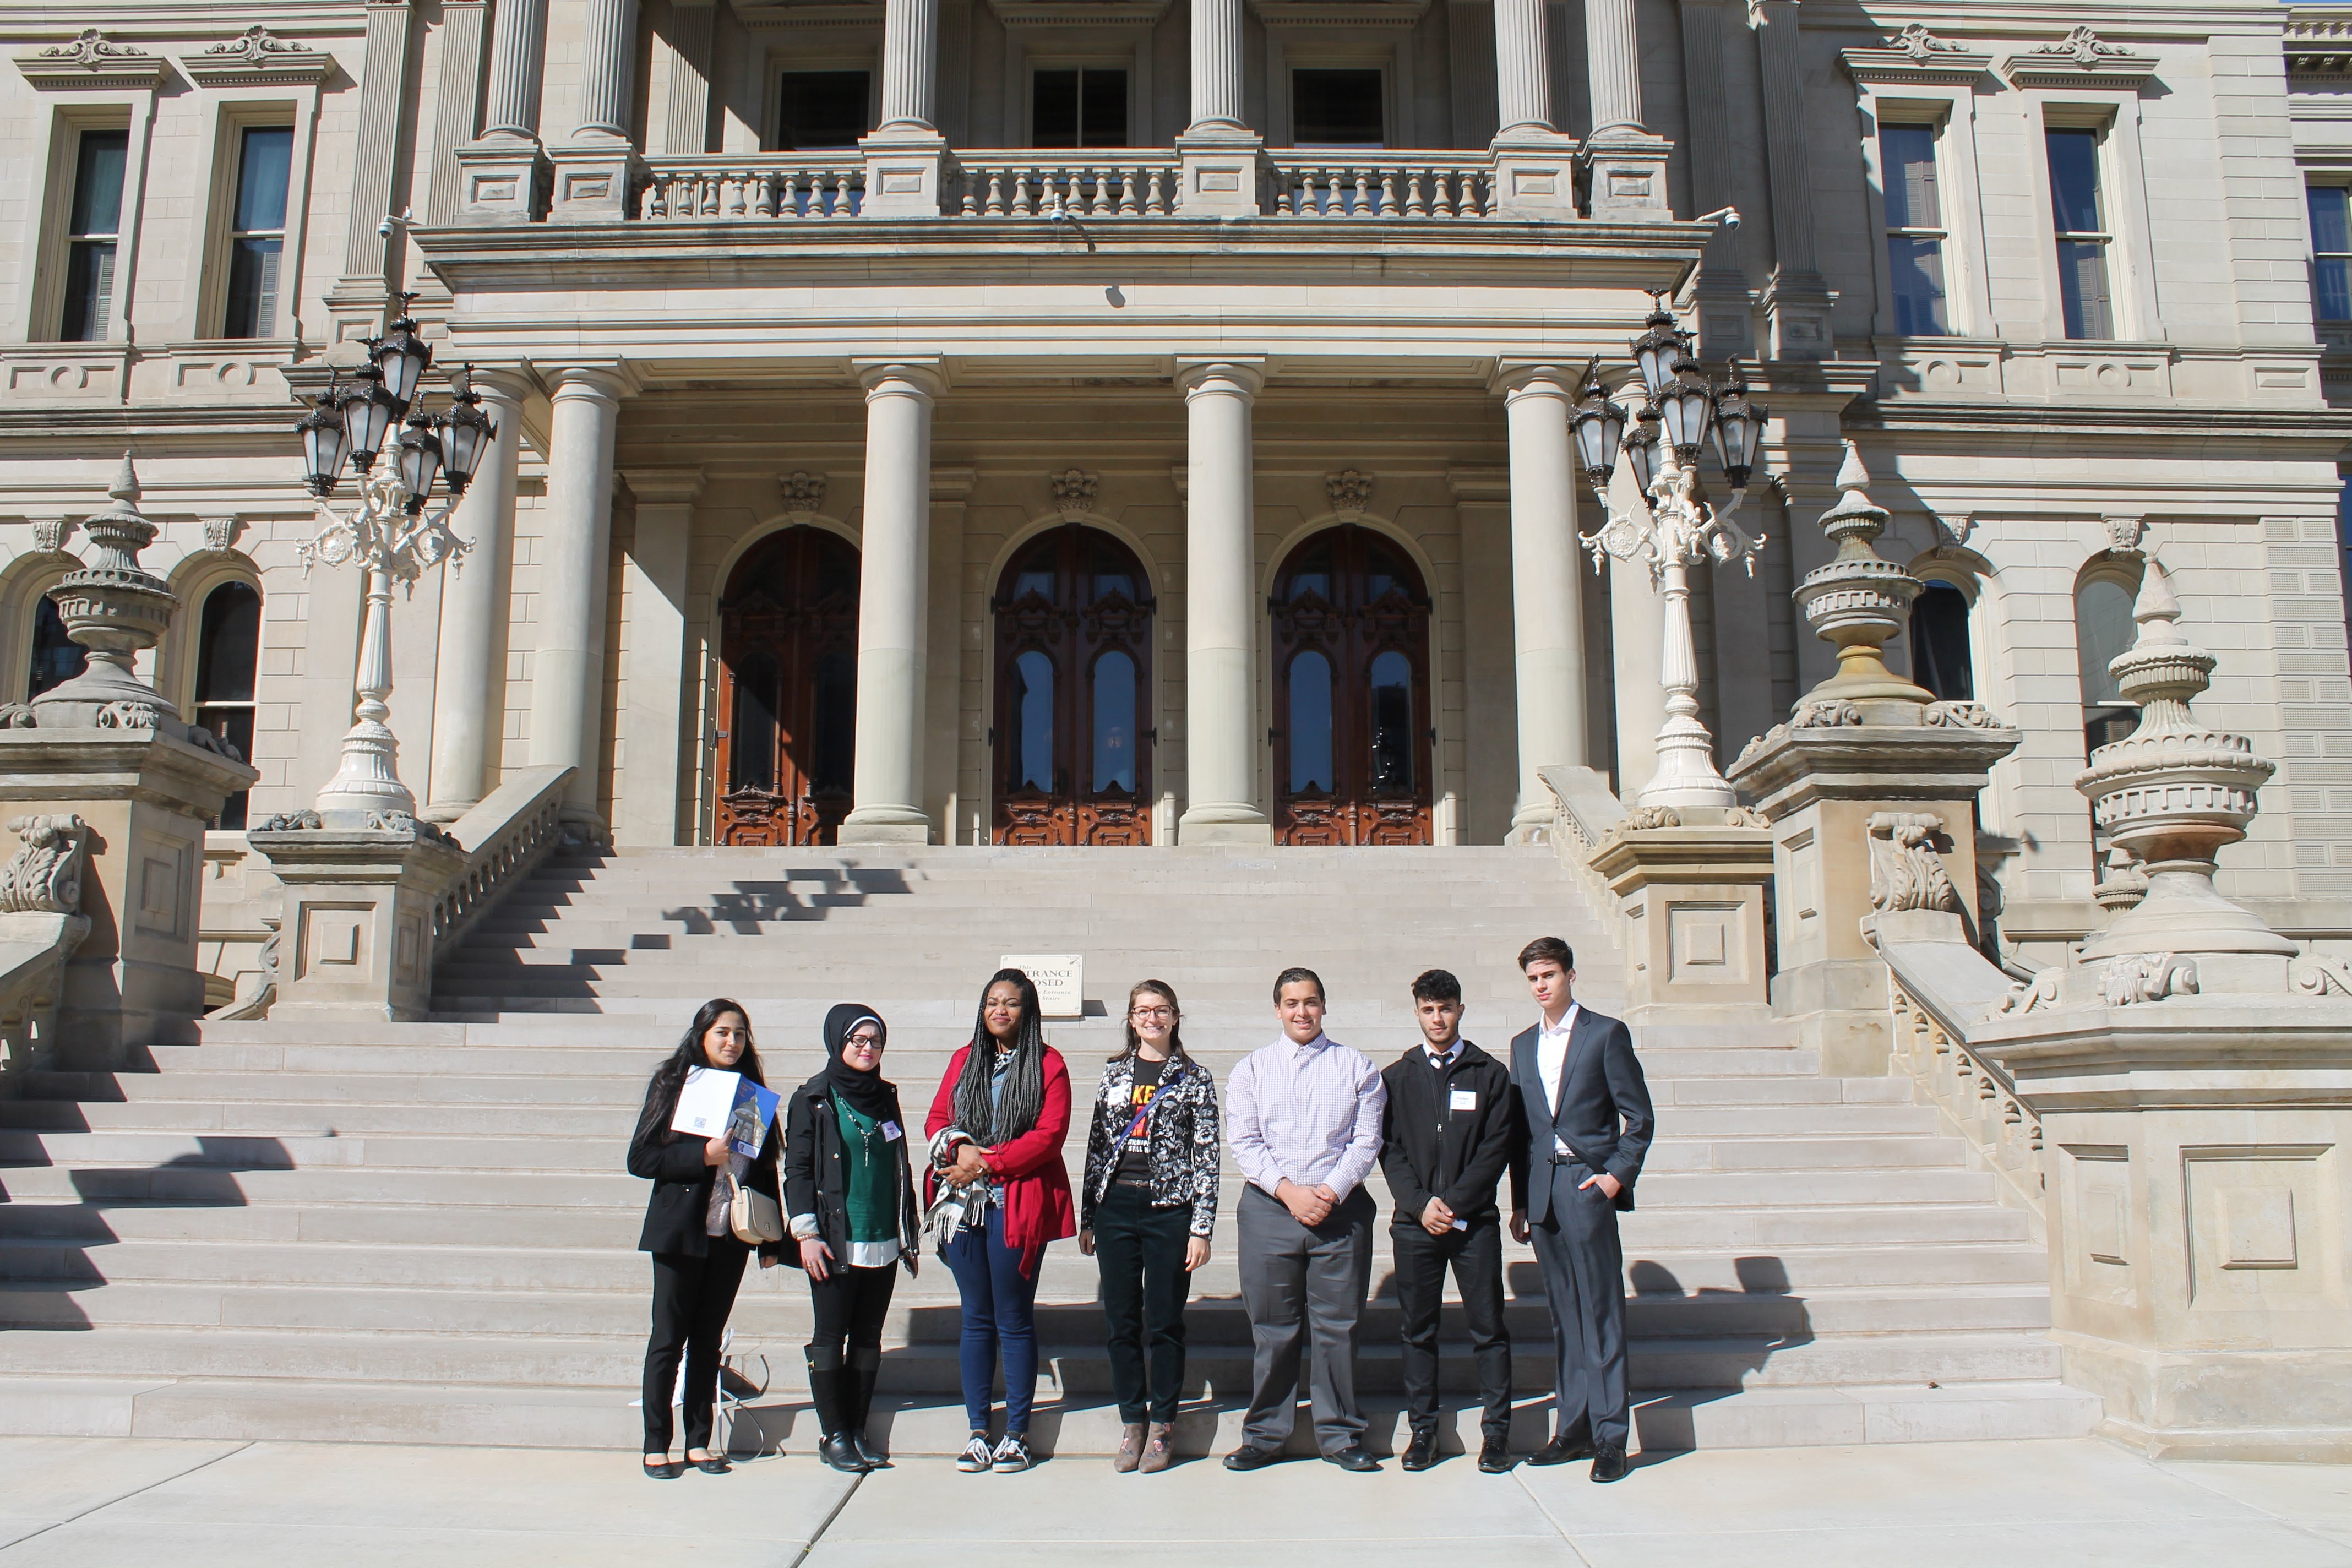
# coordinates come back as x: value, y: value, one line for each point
x: 873, y: 1178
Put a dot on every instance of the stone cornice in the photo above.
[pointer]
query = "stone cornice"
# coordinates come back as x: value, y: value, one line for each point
x: 258, y: 58
x: 91, y: 60
x: 1023, y: 13
x: 2168, y: 424
x: 1917, y: 57
x: 1285, y: 14
x: 2082, y: 59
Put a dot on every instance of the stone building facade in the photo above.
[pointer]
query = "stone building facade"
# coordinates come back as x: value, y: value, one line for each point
x: 1124, y: 421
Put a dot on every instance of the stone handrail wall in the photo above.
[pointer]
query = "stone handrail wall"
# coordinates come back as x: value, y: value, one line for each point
x: 767, y: 186
x: 1381, y: 185
x: 505, y: 837
x: 41, y: 923
x: 1066, y: 185
x: 1584, y: 812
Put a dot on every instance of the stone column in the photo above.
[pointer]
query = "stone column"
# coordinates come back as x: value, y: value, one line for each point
x: 1546, y: 607
x: 653, y: 671
x: 1221, y: 608
x: 469, y: 684
x: 893, y: 596
x: 1534, y: 170
x: 686, y: 128
x: 357, y: 299
x: 503, y: 177
x: 567, y: 685
x: 906, y: 156
x: 596, y: 169
x: 1796, y: 300
x: 1218, y: 148
x: 458, y: 101
x: 1627, y: 163
x: 1723, y: 329
x: 1522, y: 66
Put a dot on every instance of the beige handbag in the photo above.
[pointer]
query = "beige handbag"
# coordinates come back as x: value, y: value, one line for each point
x: 755, y: 1216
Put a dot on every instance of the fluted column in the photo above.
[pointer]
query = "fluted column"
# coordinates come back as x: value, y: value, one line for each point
x: 458, y: 100
x: 686, y: 127
x: 1217, y: 64
x: 1612, y: 49
x: 1522, y: 66
x: 910, y: 52
x: 1218, y: 148
x: 893, y: 597
x: 1796, y: 298
x: 608, y: 58
x: 567, y: 665
x: 357, y: 298
x: 1546, y: 600
x: 517, y: 58
x: 653, y: 668
x: 1221, y: 608
x: 468, y: 674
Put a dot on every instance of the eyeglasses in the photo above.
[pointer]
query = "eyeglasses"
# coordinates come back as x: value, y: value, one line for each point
x: 1144, y: 1014
x: 865, y: 1042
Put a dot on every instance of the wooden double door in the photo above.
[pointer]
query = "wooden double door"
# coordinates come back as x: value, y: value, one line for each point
x: 788, y: 691
x: 1072, y: 742
x: 1352, y: 760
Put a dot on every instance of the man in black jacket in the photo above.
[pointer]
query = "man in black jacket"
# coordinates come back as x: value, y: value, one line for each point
x: 1451, y: 1129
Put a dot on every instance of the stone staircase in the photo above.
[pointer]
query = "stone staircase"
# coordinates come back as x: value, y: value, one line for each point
x: 423, y: 1232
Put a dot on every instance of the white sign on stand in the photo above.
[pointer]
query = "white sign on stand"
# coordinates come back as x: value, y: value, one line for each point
x: 1060, y: 979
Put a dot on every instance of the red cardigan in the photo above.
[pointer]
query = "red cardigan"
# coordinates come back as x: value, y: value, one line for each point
x: 1038, y: 1204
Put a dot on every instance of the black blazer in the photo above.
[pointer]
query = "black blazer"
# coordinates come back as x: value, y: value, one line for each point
x: 676, y: 1215
x: 1605, y: 1113
x: 1429, y: 1150
x: 818, y: 1183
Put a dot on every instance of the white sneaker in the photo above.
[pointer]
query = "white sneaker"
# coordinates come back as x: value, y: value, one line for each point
x: 976, y: 1455
x: 1012, y: 1452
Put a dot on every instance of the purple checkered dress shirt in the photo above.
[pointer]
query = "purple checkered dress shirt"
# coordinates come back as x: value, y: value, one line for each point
x: 1310, y: 1114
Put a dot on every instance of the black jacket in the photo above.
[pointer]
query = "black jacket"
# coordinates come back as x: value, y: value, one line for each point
x: 818, y: 1183
x: 1604, y: 1106
x: 1430, y: 1150
x: 677, y: 1214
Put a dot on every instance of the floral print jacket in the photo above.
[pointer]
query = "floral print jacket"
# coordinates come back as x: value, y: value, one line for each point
x: 1186, y: 1147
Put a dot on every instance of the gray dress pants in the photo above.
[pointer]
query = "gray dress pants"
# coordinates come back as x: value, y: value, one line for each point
x: 1584, y: 1284
x: 1301, y: 1283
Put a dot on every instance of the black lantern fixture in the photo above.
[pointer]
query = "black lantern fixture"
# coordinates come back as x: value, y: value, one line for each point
x: 1642, y: 447
x: 1600, y: 427
x: 420, y: 458
x: 1739, y: 429
x: 1687, y: 402
x: 1657, y: 349
x: 465, y: 433
x: 401, y: 356
x: 325, y: 442
x: 368, y: 409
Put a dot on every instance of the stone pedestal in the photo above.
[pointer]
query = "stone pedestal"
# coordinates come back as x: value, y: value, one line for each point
x: 144, y: 796
x: 1220, y: 172
x: 356, y: 942
x: 596, y: 181
x: 903, y: 172
x: 1625, y: 173
x: 502, y: 180
x: 1690, y: 892
x: 1535, y: 173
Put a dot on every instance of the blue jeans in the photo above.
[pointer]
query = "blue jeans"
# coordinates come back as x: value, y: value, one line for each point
x: 998, y: 1315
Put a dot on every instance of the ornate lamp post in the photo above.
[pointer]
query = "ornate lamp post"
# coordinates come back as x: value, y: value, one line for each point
x: 390, y: 533
x: 1674, y: 528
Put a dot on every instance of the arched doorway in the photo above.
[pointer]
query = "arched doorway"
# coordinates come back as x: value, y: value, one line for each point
x: 788, y: 690
x: 1074, y: 729
x: 1351, y: 745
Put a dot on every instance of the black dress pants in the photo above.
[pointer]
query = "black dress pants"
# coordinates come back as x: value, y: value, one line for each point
x: 1475, y: 1256
x: 1140, y: 1250
x: 848, y: 1306
x: 692, y: 1297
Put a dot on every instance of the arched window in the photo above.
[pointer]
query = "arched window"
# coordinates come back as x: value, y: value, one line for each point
x: 228, y: 653
x: 1033, y: 708
x: 57, y: 658
x: 2102, y: 628
x: 1310, y: 724
x: 1940, y: 644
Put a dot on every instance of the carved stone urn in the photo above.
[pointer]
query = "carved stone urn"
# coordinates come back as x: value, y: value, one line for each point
x: 117, y: 609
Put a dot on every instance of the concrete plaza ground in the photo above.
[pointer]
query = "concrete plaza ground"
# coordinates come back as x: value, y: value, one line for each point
x: 136, y: 1503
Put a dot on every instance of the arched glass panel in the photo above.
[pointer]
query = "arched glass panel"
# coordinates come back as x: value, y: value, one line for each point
x: 1940, y: 644
x: 228, y: 650
x: 2104, y: 628
x: 1310, y: 724
x: 836, y: 569
x: 1112, y: 572
x: 836, y: 724
x: 1392, y: 700
x: 1036, y: 574
x: 1115, y: 722
x: 1033, y: 709
x: 1385, y: 571
x: 753, y: 725
x: 57, y: 658
x: 1312, y: 574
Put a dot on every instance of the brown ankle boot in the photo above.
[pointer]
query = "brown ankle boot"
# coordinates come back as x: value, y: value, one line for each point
x: 1130, y: 1447
x: 1157, y: 1453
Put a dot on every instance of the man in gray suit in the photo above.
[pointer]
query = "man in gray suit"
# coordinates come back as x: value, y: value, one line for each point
x: 1590, y: 1122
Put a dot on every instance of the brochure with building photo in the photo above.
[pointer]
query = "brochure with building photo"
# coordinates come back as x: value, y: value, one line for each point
x: 713, y: 1102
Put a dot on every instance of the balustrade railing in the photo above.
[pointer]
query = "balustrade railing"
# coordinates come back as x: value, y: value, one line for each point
x: 505, y: 837
x: 776, y: 186
x: 1050, y: 185
x: 1392, y: 185
x: 1975, y: 1093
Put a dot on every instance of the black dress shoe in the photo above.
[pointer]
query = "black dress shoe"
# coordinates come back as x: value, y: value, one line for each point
x: 1353, y: 1459
x: 1563, y: 1448
x: 1247, y: 1458
x: 1495, y: 1456
x: 1610, y: 1464
x: 667, y: 1470
x: 712, y: 1464
x: 842, y: 1453
x: 1421, y: 1452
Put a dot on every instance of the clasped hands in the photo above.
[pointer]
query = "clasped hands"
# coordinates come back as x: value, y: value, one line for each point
x: 1310, y: 1207
x: 968, y: 1167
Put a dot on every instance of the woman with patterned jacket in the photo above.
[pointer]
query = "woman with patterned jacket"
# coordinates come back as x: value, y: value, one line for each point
x: 1149, y: 1207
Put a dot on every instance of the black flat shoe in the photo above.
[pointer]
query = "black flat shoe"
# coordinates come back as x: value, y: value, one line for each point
x: 1494, y: 1457
x: 712, y: 1465
x: 667, y: 1470
x: 1246, y: 1458
x: 1421, y: 1452
x: 1561, y: 1450
x: 1352, y: 1460
x: 842, y: 1453
x: 1610, y: 1465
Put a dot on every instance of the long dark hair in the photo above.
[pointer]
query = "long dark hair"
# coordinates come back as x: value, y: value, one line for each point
x: 1023, y: 1099
x: 1175, y: 1026
x: 662, y: 1091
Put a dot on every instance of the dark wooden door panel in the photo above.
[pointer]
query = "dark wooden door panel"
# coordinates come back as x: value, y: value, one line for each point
x: 787, y: 691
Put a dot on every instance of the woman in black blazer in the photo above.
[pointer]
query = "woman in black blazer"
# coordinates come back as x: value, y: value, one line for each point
x: 849, y: 1190
x: 698, y: 1261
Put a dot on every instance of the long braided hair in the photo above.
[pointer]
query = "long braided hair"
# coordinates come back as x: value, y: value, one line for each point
x: 669, y: 1079
x: 1023, y: 1099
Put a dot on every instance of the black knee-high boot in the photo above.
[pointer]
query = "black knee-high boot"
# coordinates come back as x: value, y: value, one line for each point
x: 828, y: 1391
x: 864, y: 1367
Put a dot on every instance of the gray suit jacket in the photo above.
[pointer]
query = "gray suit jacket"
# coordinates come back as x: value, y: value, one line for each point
x: 1605, y: 1111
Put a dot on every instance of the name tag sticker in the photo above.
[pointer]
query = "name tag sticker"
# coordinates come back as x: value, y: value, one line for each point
x: 1462, y: 1224
x: 1463, y: 1099
x: 891, y: 1134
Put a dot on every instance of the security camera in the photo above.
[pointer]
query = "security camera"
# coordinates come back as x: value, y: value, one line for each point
x: 1728, y: 217
x: 401, y: 219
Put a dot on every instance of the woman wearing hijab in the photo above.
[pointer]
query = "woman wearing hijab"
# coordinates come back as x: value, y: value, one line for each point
x: 996, y: 1130
x: 698, y: 1261
x: 849, y: 1189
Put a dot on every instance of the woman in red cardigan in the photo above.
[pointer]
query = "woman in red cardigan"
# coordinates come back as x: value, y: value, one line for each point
x: 996, y: 1129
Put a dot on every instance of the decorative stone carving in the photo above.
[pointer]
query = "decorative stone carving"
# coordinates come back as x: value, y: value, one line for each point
x: 2146, y: 977
x: 1961, y: 716
x: 2026, y: 995
x: 1824, y: 715
x: 1745, y: 815
x: 43, y: 877
x: 1905, y: 872
x: 294, y: 822
x: 804, y: 492
x: 1073, y: 491
x: 2316, y: 975
x: 1955, y: 530
x: 116, y: 609
x: 220, y: 534
x: 2125, y: 884
x: 1916, y: 55
x: 128, y: 716
x: 50, y: 533
x: 2125, y: 533
x: 2085, y: 47
x: 1859, y: 601
x: 1351, y: 491
x: 1920, y: 44
x: 1644, y: 818
x: 254, y: 44
x: 18, y: 716
x: 92, y: 59
x: 2081, y: 55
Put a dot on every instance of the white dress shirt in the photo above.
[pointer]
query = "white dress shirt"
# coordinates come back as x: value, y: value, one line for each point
x: 1552, y: 1060
x: 1445, y: 1058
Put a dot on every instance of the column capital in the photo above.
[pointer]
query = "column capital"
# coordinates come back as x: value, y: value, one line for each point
x: 512, y: 383
x: 1535, y: 378
x: 1244, y: 376
x: 664, y: 487
x: 609, y: 380
x: 921, y: 375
